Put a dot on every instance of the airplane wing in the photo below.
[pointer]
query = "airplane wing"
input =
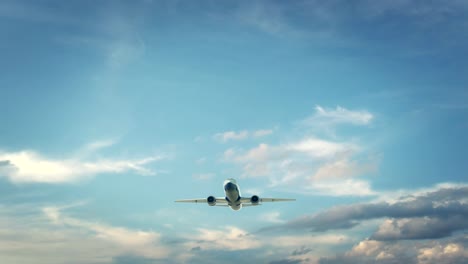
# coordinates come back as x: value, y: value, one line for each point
x: 264, y: 200
x: 219, y: 200
x: 246, y: 200
x: 249, y: 204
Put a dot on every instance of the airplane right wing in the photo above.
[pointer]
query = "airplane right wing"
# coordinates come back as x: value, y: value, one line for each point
x: 264, y: 200
x: 246, y: 200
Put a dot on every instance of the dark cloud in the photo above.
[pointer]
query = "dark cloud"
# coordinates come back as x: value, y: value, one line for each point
x: 301, y: 251
x: 196, y: 248
x: 343, y: 259
x: 431, y: 215
x: 4, y: 163
x: 420, y: 228
x: 129, y: 259
x: 286, y: 261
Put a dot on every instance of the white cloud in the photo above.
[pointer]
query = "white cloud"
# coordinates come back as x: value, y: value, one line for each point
x: 48, y: 236
x: 241, y: 135
x: 272, y: 217
x: 421, y: 251
x: 326, y: 118
x: 348, y: 187
x: 29, y: 166
x: 229, y: 238
x: 231, y: 135
x: 262, y: 132
x: 138, y: 242
x: 311, y: 164
x: 318, y: 148
x: 366, y: 248
x: 443, y: 253
x: 345, y: 167
x: 203, y: 176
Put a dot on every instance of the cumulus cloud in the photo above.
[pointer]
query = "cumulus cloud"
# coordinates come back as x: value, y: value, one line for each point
x: 32, y: 167
x: 434, y: 214
x: 370, y: 251
x: 451, y: 251
x: 320, y: 166
x: 308, y: 148
x: 443, y: 253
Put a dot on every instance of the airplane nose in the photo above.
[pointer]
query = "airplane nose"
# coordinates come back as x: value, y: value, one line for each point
x: 229, y: 186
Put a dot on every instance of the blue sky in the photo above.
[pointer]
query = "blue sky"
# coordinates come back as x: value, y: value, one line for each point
x: 111, y: 110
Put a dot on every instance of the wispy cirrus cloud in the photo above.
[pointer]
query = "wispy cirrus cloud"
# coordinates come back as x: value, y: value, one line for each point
x: 28, y: 166
x: 143, y: 243
x: 241, y: 135
x: 324, y: 117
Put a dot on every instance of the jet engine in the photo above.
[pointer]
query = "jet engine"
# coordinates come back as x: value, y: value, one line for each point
x: 255, y: 199
x: 211, y: 200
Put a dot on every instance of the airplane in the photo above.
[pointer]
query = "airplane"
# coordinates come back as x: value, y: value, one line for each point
x: 233, y: 198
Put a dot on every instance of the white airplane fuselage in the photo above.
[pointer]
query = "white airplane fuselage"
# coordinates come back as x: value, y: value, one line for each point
x: 232, y: 192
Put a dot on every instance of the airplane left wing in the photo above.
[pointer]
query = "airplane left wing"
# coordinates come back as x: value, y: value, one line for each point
x: 220, y: 200
x: 201, y: 200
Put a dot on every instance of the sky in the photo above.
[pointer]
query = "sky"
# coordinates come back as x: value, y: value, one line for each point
x: 111, y: 110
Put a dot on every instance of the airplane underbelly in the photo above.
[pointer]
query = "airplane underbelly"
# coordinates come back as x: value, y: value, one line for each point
x: 236, y: 207
x: 232, y: 196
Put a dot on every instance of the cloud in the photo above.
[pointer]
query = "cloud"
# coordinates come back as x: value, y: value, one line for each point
x: 48, y: 236
x: 345, y: 167
x: 231, y: 135
x: 262, y: 132
x: 230, y: 238
x: 318, y: 148
x: 203, y: 176
x: 315, y: 165
x: 235, y: 239
x: 443, y: 253
x: 269, y: 18
x: 308, y: 148
x: 138, y: 242
x: 241, y: 135
x: 346, y: 187
x: 339, y: 116
x: 272, y: 217
x: 32, y: 167
x: 370, y: 251
x: 434, y: 214
x: 451, y: 251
